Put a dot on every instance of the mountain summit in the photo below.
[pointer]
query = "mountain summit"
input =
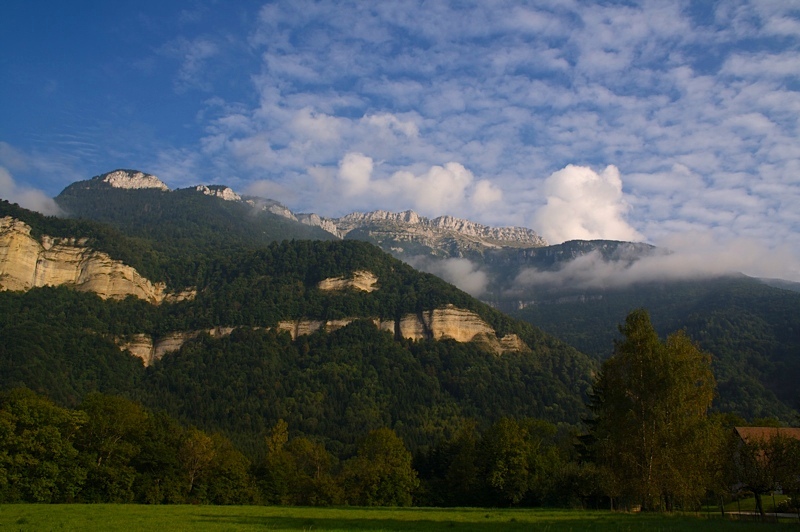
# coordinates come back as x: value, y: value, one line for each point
x: 749, y: 327
x: 419, y: 229
x: 131, y: 179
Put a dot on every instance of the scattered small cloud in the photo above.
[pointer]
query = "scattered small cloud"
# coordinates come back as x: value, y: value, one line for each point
x: 193, y: 55
x: 492, y: 111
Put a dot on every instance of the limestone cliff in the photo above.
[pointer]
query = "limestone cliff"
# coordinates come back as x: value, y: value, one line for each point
x: 451, y: 323
x: 132, y: 179
x: 27, y: 263
x: 448, y: 323
x: 219, y: 191
x: 150, y: 351
x: 360, y: 280
x: 442, y: 233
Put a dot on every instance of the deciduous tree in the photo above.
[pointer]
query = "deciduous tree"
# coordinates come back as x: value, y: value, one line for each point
x: 381, y: 473
x: 650, y: 426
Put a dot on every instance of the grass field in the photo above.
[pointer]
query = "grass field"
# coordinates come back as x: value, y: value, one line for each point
x: 749, y: 505
x: 164, y: 518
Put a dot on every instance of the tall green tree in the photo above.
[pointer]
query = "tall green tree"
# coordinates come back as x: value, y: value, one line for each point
x: 381, y: 473
x: 196, y: 455
x: 108, y: 442
x: 38, y: 461
x: 650, y: 426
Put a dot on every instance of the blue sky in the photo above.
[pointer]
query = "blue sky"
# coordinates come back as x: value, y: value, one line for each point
x: 674, y: 123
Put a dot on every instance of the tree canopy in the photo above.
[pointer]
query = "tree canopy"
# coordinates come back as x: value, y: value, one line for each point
x: 650, y: 426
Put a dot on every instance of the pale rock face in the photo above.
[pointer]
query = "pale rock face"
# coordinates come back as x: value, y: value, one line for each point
x: 315, y: 220
x: 138, y: 345
x: 133, y: 180
x: 454, y: 323
x: 143, y: 346
x: 272, y: 206
x: 412, y: 327
x: 439, y: 324
x: 26, y: 263
x: 409, y: 226
x: 280, y: 210
x: 219, y: 191
x: 19, y: 254
x: 300, y: 327
x: 360, y: 280
x: 305, y: 327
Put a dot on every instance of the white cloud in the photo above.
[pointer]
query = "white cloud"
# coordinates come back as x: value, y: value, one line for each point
x: 193, y: 56
x: 355, y: 173
x: 30, y: 198
x: 463, y: 273
x: 582, y: 204
x: 692, y: 255
x: 696, y: 104
x: 433, y: 192
x: 387, y: 122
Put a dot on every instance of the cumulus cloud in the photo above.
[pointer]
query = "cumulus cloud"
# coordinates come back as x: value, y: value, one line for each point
x: 582, y: 204
x: 355, y: 174
x: 463, y: 273
x: 696, y: 104
x: 30, y: 198
x: 438, y: 190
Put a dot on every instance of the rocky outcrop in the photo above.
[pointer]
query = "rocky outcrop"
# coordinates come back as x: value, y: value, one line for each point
x: 150, y: 351
x: 27, y: 263
x: 132, y: 179
x: 448, y: 323
x: 455, y: 324
x: 360, y: 280
x: 445, y: 235
x: 451, y: 323
x: 315, y: 220
x: 219, y: 191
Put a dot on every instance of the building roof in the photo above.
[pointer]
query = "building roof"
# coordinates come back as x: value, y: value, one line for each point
x: 765, y: 434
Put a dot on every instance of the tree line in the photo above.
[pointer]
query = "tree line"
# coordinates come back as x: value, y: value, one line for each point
x: 650, y: 443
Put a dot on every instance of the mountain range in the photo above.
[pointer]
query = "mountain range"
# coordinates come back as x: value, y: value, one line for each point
x: 243, y: 312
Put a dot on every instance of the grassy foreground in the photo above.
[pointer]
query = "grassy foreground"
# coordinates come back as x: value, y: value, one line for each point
x: 164, y: 518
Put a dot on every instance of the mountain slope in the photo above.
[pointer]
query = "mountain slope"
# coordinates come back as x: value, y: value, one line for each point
x: 752, y: 330
x: 200, y: 218
x: 753, y: 340
x: 331, y: 383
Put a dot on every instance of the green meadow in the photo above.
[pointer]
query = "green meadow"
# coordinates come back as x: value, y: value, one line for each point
x: 164, y: 518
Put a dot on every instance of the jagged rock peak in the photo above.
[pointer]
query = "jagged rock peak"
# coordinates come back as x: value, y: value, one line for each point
x: 341, y: 226
x: 264, y: 204
x: 315, y: 220
x: 132, y: 179
x: 407, y: 217
x: 219, y: 191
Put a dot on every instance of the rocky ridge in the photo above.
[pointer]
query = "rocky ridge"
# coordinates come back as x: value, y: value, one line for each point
x: 410, y: 220
x: 27, y: 263
x: 132, y: 179
x: 446, y: 323
x: 445, y: 236
x: 219, y: 191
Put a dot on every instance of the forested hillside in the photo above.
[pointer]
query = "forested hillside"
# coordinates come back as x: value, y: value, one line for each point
x: 65, y: 344
x: 751, y: 329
